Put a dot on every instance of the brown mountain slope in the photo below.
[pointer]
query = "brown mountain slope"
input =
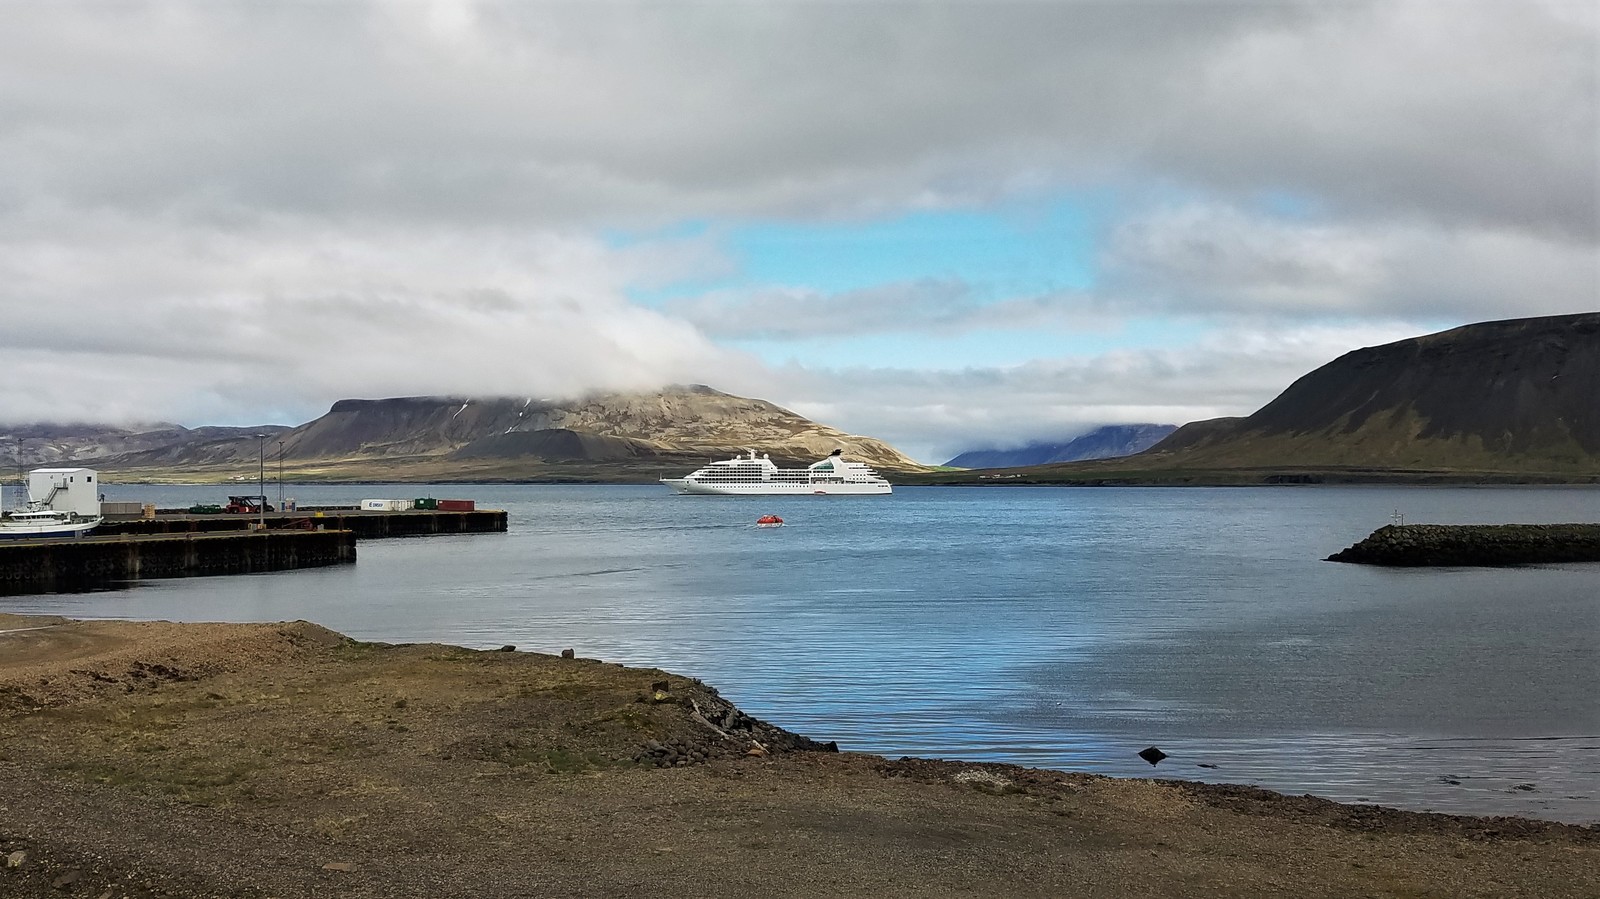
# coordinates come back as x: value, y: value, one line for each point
x: 1516, y: 395
x: 557, y: 445
x: 627, y: 436
x: 1515, y: 401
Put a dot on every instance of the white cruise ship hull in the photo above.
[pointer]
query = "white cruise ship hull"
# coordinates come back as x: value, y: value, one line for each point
x: 689, y: 486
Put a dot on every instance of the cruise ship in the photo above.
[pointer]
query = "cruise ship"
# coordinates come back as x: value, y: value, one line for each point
x: 759, y: 476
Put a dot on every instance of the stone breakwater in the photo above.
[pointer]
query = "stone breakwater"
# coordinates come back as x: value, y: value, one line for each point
x: 1475, y: 544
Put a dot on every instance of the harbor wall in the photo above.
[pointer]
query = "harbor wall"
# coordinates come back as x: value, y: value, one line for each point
x: 365, y: 525
x: 1484, y: 545
x: 49, y: 566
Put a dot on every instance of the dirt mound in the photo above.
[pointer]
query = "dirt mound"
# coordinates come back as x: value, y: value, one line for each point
x: 61, y: 662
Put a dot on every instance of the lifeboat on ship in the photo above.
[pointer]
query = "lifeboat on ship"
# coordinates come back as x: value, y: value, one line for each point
x: 769, y: 521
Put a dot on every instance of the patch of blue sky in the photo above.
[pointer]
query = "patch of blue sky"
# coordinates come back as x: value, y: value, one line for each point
x: 1289, y: 205
x: 988, y: 348
x: 1014, y: 250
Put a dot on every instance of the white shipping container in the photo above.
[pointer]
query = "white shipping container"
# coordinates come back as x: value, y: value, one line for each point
x: 386, y: 505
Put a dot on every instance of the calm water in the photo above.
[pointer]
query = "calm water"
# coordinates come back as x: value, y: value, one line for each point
x: 1056, y: 627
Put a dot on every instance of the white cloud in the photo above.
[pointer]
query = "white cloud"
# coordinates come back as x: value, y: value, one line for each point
x: 237, y: 211
x: 125, y: 319
x: 934, y: 414
x: 1201, y: 257
x: 787, y: 313
x: 578, y: 113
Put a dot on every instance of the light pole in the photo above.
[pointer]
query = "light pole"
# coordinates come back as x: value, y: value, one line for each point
x: 261, y: 479
x: 22, y: 480
x: 280, y: 476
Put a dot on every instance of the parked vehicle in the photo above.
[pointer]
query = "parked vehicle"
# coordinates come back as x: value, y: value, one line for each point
x: 249, y: 505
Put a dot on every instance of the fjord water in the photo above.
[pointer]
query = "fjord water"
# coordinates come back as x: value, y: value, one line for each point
x: 1056, y: 627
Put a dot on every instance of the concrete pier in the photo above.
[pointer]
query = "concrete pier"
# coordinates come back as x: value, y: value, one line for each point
x: 366, y: 525
x: 88, y: 563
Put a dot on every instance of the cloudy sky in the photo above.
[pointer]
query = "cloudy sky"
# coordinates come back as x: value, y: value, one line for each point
x: 945, y: 224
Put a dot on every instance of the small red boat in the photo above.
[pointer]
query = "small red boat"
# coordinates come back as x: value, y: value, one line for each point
x: 769, y: 521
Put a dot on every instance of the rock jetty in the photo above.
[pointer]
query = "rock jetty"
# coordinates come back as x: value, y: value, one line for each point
x: 1413, y: 545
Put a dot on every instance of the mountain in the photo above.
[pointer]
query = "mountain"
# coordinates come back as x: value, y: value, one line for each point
x: 602, y: 437
x: 1518, y: 395
x: 44, y: 443
x: 1109, y: 442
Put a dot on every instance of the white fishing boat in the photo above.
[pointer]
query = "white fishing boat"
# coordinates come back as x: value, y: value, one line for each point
x: 62, y: 502
x: 754, y: 475
x: 36, y: 522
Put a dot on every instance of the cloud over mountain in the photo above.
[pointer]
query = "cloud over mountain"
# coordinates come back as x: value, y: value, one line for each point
x: 231, y: 211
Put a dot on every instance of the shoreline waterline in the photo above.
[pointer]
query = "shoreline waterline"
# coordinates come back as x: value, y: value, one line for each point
x: 1055, y: 628
x: 1220, y: 788
x: 189, y: 760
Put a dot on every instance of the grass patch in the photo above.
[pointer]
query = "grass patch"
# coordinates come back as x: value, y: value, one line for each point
x: 551, y: 761
x: 634, y: 716
x: 199, y: 779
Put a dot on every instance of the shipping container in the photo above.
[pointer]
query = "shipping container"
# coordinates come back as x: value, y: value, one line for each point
x: 129, y: 509
x: 457, y: 505
x: 386, y: 505
x: 427, y: 502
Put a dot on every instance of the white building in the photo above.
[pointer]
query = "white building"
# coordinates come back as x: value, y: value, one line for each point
x: 66, y: 490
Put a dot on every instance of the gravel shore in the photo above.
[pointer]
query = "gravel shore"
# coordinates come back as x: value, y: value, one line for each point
x: 150, y: 759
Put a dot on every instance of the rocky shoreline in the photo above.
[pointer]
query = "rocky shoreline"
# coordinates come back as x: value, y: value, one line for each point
x: 151, y: 759
x: 1483, y: 545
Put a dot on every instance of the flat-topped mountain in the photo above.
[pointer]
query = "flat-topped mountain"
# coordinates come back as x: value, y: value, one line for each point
x: 601, y: 437
x: 1515, y: 395
x: 1108, y: 442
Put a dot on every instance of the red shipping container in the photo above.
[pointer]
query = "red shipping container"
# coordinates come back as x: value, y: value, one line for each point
x: 457, y: 505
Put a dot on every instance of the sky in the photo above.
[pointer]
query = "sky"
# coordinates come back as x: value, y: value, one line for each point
x: 949, y: 225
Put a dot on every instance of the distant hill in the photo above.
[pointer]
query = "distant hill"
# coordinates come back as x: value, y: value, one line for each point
x: 1109, y: 442
x: 1515, y: 395
x: 1502, y: 402
x: 603, y: 437
x: 46, y: 443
